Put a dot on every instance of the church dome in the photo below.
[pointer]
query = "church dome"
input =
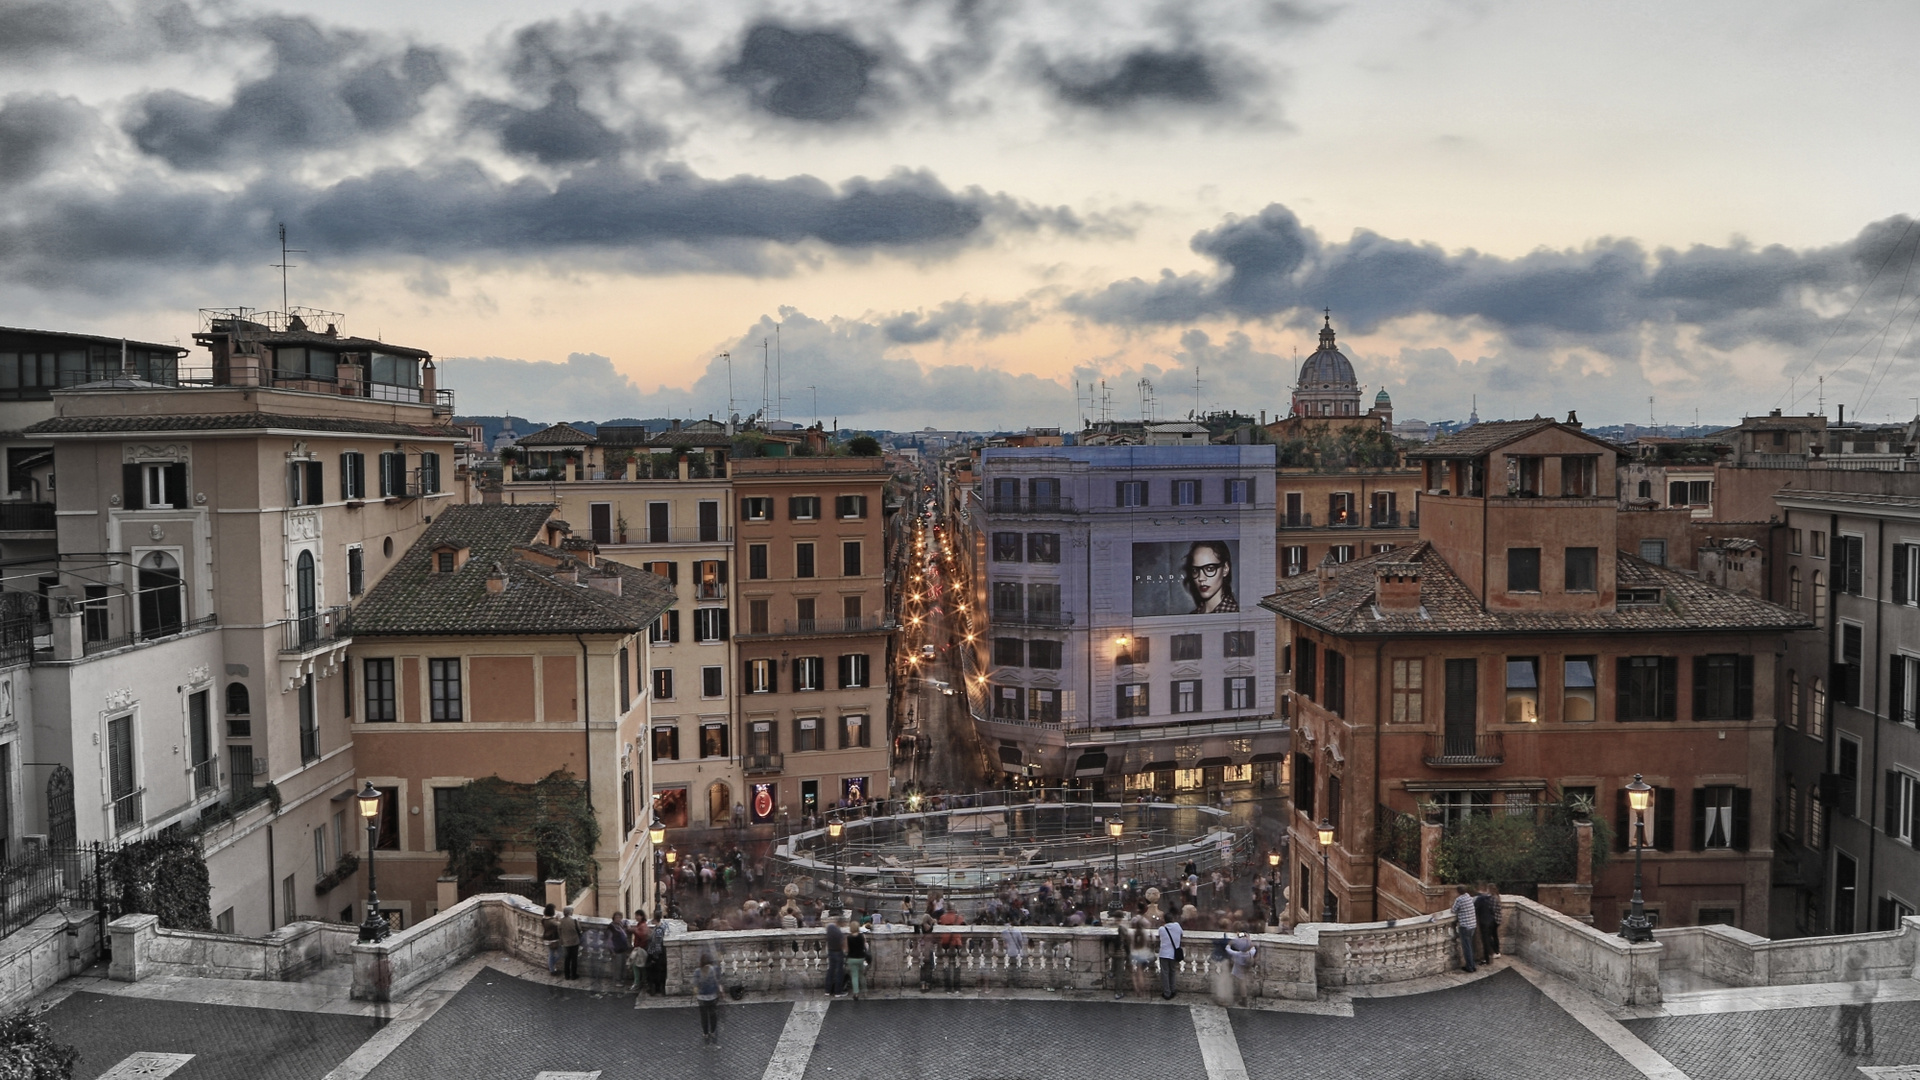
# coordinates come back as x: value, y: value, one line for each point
x: 1327, y: 367
x: 1381, y: 398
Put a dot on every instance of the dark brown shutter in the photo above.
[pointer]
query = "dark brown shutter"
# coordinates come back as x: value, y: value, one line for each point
x: 1669, y: 692
x: 1663, y: 819
x: 1742, y: 818
x: 1897, y: 689
x: 132, y: 491
x: 1699, y: 819
x: 177, y: 485
x: 1743, y: 688
x: 1899, y: 574
x: 1699, y: 688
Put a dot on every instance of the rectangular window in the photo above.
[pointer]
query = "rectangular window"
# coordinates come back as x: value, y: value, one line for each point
x: 94, y: 613
x: 1043, y: 493
x: 855, y: 732
x: 664, y: 630
x: 850, y: 611
x: 1239, y: 491
x: 1340, y: 508
x: 708, y: 517
x: 663, y: 684
x: 760, y: 677
x: 1902, y: 806
x: 429, y: 474
x: 757, y: 616
x: 1293, y: 561
x: 1186, y: 493
x: 1009, y: 652
x: 1847, y: 768
x: 854, y: 672
x: 803, y: 508
x: 1846, y: 672
x: 393, y: 479
x: 1043, y: 547
x: 1648, y: 688
x: 807, y: 734
x: 353, y: 475
x: 1186, y: 695
x: 1134, y: 650
x: 803, y: 560
x: 1043, y: 600
x: 1296, y: 516
x: 809, y: 672
x: 1654, y: 551
x: 1306, y: 668
x: 849, y: 506
x: 1583, y: 569
x: 306, y: 483
x: 600, y: 522
x: 1578, y: 476
x: 1849, y: 564
x: 626, y: 681
x: 199, y: 745
x: 443, y: 678
x: 849, y: 558
x: 1130, y: 493
x: 1008, y: 702
x: 1721, y: 818
x: 710, y: 624
x: 1523, y: 570
x: 659, y: 522
x: 710, y: 579
x: 1526, y: 474
x: 1652, y: 830
x: 1578, y: 697
x: 803, y: 613
x: 1006, y: 547
x: 1009, y: 598
x: 711, y: 682
x: 1342, y: 553
x: 1409, y: 677
x: 1132, y: 700
x: 1043, y: 706
x: 377, y: 674
x: 1906, y: 575
x: 756, y: 509
x: 309, y: 722
x: 1723, y: 687
x: 1334, y: 683
x: 1462, y: 716
x: 1819, y: 540
x: 1240, y: 642
x: 666, y: 742
x: 1523, y: 689
x: 1240, y: 690
x: 1186, y: 646
x: 757, y: 562
x: 1044, y: 654
x: 713, y: 739
x: 356, y: 571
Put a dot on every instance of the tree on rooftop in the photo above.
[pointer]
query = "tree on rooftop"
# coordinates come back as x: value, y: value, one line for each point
x: 864, y: 446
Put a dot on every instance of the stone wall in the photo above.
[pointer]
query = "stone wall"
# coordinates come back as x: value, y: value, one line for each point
x: 1600, y: 963
x: 53, y: 947
x: 143, y: 948
x: 1736, y: 958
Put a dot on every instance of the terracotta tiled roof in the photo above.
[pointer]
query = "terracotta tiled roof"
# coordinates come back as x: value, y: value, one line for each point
x: 1486, y: 437
x: 253, y: 421
x: 1447, y: 606
x: 557, y: 435
x: 412, y: 599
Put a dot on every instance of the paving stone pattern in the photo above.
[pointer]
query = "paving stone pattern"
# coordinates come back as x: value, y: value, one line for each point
x: 1780, y: 1044
x: 227, y: 1042
x: 944, y: 1038
x: 510, y: 1028
x: 1498, y: 1027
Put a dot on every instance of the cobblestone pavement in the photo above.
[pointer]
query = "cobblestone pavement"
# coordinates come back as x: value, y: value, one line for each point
x: 227, y: 1043
x: 1781, y: 1044
x: 1496, y: 1027
x: 971, y: 1039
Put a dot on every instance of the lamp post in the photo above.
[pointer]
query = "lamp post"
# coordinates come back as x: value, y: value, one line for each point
x: 1636, y: 927
x: 368, y: 801
x: 1326, y: 879
x: 1273, y: 887
x: 672, y: 857
x: 656, y: 836
x: 1114, y: 828
x: 835, y: 830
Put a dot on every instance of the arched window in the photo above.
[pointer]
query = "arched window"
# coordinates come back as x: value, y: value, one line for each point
x: 1819, y: 599
x: 719, y: 803
x: 1817, y: 719
x: 1793, y: 699
x: 238, y: 703
x: 304, y: 598
x: 162, y: 603
x: 1793, y: 589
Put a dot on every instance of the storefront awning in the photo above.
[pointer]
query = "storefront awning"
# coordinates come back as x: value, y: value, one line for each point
x: 1271, y: 755
x: 1210, y: 762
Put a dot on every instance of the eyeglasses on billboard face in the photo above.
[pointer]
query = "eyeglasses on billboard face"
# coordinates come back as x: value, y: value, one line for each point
x: 1206, y: 570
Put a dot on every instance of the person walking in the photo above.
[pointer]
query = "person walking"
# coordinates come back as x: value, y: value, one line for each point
x: 951, y: 948
x: 706, y: 990
x: 1170, y: 954
x: 1140, y: 951
x: 1014, y: 941
x: 856, y: 957
x: 570, y: 941
x: 657, y: 959
x: 836, y: 955
x: 1466, y: 924
x: 550, y: 933
x: 1486, y: 909
x: 1240, y: 952
x: 642, y: 935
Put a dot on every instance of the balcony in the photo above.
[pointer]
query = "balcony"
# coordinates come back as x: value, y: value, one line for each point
x: 1465, y: 751
x: 1029, y: 504
x: 1033, y: 618
x: 1388, y: 520
x: 762, y: 764
x: 127, y: 815
x: 678, y: 534
x: 859, y: 624
x: 318, y: 630
x: 1296, y: 521
x: 709, y: 590
x: 26, y: 517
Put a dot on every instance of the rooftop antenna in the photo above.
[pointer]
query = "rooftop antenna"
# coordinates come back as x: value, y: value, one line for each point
x: 764, y: 406
x: 1651, y: 422
x: 816, y: 403
x: 283, y: 265
x: 779, y: 380
x: 728, y: 357
x: 1196, y: 391
x: 1823, y: 395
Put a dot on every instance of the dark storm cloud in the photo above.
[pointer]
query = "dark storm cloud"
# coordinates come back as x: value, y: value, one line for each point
x: 79, y: 237
x: 324, y: 89
x: 1270, y: 265
x: 45, y: 31
x: 558, y: 133
x: 33, y: 129
x: 817, y: 75
x: 1144, y: 76
x: 956, y: 317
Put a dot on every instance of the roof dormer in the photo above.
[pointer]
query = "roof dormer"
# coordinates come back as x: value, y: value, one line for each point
x: 448, y: 556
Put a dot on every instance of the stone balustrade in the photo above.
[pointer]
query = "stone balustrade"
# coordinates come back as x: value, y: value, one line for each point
x: 1734, y: 957
x: 143, y: 948
x: 51, y: 948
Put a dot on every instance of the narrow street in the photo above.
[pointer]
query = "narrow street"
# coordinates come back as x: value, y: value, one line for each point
x: 948, y: 754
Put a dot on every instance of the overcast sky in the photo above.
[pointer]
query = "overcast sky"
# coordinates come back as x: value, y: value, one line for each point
x: 947, y: 213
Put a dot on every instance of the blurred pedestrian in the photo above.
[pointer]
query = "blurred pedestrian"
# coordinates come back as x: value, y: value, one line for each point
x: 706, y: 990
x: 1486, y: 909
x: 836, y: 955
x: 550, y: 933
x: 1466, y: 924
x: 1240, y: 953
x: 570, y: 942
x: 1140, y: 952
x: 1013, y: 941
x: 1171, y: 953
x: 856, y: 957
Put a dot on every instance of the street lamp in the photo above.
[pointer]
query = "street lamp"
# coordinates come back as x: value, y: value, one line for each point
x: 835, y: 830
x: 1273, y: 887
x: 656, y: 836
x: 672, y: 857
x: 1637, y: 928
x: 368, y: 801
x: 1114, y: 828
x: 1326, y: 879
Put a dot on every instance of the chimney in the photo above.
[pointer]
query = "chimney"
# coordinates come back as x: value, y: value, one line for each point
x: 1397, y: 586
x: 1328, y: 569
x: 607, y: 580
x: 580, y: 548
x: 568, y: 571
x: 1573, y: 418
x: 497, y: 581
